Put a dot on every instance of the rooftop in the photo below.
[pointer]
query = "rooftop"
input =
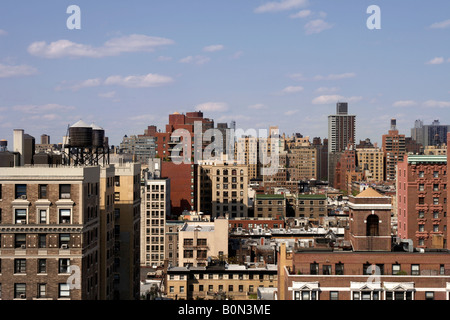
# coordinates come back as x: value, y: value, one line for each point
x: 413, y: 159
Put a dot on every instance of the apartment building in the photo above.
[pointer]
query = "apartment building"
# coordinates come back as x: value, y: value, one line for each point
x: 371, y: 162
x: 223, y: 189
x: 172, y: 229
x: 374, y: 267
x: 106, y: 236
x: 313, y: 206
x: 422, y: 200
x: 394, y: 149
x: 50, y: 233
x: 219, y: 282
x: 154, y: 211
x: 127, y: 212
x: 200, y: 240
x: 270, y: 206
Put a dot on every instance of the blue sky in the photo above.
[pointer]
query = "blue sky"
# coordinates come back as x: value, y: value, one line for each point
x: 258, y: 62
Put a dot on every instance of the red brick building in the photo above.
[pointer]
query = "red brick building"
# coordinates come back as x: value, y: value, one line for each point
x: 375, y: 269
x: 422, y: 200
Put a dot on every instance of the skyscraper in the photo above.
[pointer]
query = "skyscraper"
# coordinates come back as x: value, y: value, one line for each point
x: 341, y: 133
x: 394, y: 149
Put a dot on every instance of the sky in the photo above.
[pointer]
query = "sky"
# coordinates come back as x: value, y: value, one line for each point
x: 257, y: 62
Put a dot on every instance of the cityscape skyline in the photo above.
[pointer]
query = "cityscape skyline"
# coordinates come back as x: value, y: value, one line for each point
x: 259, y: 63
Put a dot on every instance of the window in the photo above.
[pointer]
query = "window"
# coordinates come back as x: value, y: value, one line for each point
x: 64, y: 191
x: 42, y: 290
x: 429, y: 295
x: 305, y: 295
x: 435, y: 201
x: 326, y: 269
x: 42, y: 191
x: 20, y: 241
x: 42, y: 216
x: 334, y: 295
x: 42, y: 266
x: 398, y: 295
x: 435, y: 174
x: 435, y: 187
x: 421, y: 228
x: 20, y: 290
x: 116, y: 196
x: 63, y: 290
x: 421, y: 214
x: 339, y: 268
x: 63, y: 265
x: 421, y: 200
x: 421, y: 187
x: 42, y: 241
x: 395, y: 269
x: 64, y: 215
x: 20, y: 265
x: 314, y: 268
x: 415, y: 269
x: 21, y: 191
x: 64, y: 240
x: 421, y: 174
x: 435, y: 228
x: 20, y: 216
x: 372, y: 226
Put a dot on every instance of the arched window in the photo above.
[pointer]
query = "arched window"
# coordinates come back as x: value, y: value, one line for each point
x: 372, y: 225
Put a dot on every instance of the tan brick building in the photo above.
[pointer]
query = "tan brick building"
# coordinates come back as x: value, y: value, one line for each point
x: 50, y: 228
x: 236, y: 282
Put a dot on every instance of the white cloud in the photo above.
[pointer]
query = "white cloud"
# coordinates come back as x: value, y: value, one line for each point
x: 213, y: 48
x: 212, y: 107
x: 437, y: 60
x: 404, y: 103
x: 281, y: 6
x: 317, y: 26
x: 329, y: 99
x: 301, y: 14
x: 8, y: 71
x: 3, y: 32
x: 143, y: 118
x: 292, y: 89
x: 141, y: 81
x: 237, y: 55
x: 116, y: 46
x: 290, y: 112
x: 36, y: 109
x: 108, y: 95
x: 441, y: 25
x: 297, y: 76
x: 87, y: 84
x: 436, y: 104
x: 195, y: 60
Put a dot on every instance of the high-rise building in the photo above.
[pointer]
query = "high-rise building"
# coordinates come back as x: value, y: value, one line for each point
x: 341, y: 132
x: 371, y: 162
x: 127, y: 211
x: 155, y: 208
x: 430, y: 135
x: 394, y: 149
x: 50, y: 228
x: 422, y: 200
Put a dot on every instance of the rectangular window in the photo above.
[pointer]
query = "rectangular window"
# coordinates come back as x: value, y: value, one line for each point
x: 20, y: 266
x: 20, y: 216
x: 314, y: 268
x: 64, y: 239
x: 64, y: 215
x: 21, y: 191
x: 20, y: 241
x: 42, y: 216
x: 64, y: 191
x: 20, y: 290
x: 395, y: 269
x: 42, y: 266
x: 334, y: 295
x: 326, y: 269
x: 429, y: 295
x: 42, y: 290
x: 42, y: 191
x: 415, y: 269
x: 63, y: 265
x: 63, y: 290
x: 42, y: 241
x: 339, y: 268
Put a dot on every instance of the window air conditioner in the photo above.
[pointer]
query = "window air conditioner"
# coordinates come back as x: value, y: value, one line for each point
x: 22, y: 246
x: 22, y: 296
x: 64, y: 246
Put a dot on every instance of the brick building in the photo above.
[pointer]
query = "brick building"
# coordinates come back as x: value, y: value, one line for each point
x: 375, y: 268
x: 50, y: 227
x: 422, y: 200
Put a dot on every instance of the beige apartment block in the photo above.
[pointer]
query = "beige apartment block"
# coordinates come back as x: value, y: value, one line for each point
x: 223, y: 189
x: 49, y: 231
x: 154, y: 210
x: 371, y: 162
x: 200, y: 240
x: 127, y: 206
x: 106, y: 283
